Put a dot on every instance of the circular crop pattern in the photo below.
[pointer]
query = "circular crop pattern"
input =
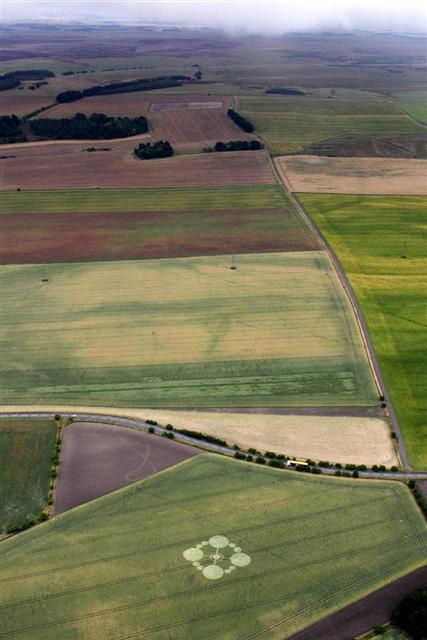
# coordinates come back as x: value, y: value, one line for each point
x: 216, y: 557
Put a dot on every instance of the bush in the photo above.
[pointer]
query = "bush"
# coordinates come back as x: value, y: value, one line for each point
x: 259, y: 460
x: 252, y: 450
x: 393, y: 469
x: 355, y: 474
x: 169, y: 427
x: 168, y: 434
x: 316, y: 470
x: 202, y: 436
x: 394, y: 435
x: 153, y: 422
x: 362, y: 467
x: 57, y: 417
x: 411, y: 614
x: 239, y: 456
x: 338, y: 465
x: 276, y: 463
x: 270, y: 454
x: 236, y: 446
x: 149, y: 151
x: 249, y: 458
x: 338, y: 472
x: 151, y: 429
x: 324, y: 463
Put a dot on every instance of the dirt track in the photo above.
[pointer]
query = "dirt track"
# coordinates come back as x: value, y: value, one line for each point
x: 98, y: 458
x: 360, y: 616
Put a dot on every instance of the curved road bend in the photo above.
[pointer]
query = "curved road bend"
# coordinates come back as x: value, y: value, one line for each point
x: 201, y: 444
x: 358, y: 313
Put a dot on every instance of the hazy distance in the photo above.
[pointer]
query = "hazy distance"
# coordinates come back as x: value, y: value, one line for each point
x: 235, y: 15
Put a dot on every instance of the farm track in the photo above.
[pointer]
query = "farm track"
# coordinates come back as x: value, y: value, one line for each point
x: 228, y: 451
x: 359, y: 316
x: 362, y: 615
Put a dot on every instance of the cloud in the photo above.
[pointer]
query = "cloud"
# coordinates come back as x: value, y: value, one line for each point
x: 249, y: 15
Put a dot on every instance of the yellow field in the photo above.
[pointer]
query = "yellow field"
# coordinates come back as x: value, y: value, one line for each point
x: 337, y: 439
x: 98, y: 333
x: 314, y: 174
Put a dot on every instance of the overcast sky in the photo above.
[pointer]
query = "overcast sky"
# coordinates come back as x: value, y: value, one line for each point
x: 252, y: 15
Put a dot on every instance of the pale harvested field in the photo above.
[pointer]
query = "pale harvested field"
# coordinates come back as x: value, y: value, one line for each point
x: 381, y: 176
x: 67, y: 167
x: 183, y: 332
x: 131, y: 104
x: 337, y: 439
x: 178, y: 106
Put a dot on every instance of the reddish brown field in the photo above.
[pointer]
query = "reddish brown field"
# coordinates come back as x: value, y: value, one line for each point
x: 67, y: 237
x: 46, y: 168
x: 99, y: 458
x: 190, y: 127
x: 20, y: 105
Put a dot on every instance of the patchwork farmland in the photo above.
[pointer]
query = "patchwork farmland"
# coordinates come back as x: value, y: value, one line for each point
x: 183, y: 332
x: 137, y: 562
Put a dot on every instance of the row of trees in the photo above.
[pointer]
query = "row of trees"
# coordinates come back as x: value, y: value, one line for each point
x: 235, y: 145
x: 142, y: 84
x: 95, y: 127
x: 285, y: 91
x: 242, y: 122
x: 149, y: 151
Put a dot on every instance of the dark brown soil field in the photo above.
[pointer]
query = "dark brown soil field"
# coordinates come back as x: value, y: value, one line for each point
x: 66, y: 237
x: 99, y: 458
x: 364, y: 614
x: 369, y: 146
x: 46, y: 169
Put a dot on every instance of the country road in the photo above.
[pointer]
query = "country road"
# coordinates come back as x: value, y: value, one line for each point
x: 207, y: 446
x: 358, y: 313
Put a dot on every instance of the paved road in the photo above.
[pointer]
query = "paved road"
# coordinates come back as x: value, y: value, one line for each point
x: 359, y: 316
x: 207, y: 446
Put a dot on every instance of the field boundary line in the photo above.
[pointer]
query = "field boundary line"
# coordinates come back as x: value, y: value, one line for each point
x: 360, y: 319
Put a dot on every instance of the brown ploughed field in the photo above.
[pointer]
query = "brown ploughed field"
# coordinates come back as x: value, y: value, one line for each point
x: 21, y: 105
x: 117, y: 168
x: 99, y: 458
x: 67, y: 237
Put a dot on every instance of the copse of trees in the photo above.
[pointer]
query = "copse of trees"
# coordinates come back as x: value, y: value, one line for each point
x: 242, y: 122
x: 96, y: 126
x: 142, y: 84
x: 411, y: 614
x: 285, y: 91
x: 10, y: 130
x: 13, y: 78
x: 235, y: 145
x: 149, y: 151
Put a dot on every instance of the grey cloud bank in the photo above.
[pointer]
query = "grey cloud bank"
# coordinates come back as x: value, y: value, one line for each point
x: 248, y: 15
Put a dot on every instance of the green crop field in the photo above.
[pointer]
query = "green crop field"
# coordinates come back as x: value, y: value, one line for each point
x: 287, y: 124
x: 370, y: 234
x: 277, y: 330
x: 185, y: 554
x: 26, y: 449
x: 121, y: 200
x: 415, y: 103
